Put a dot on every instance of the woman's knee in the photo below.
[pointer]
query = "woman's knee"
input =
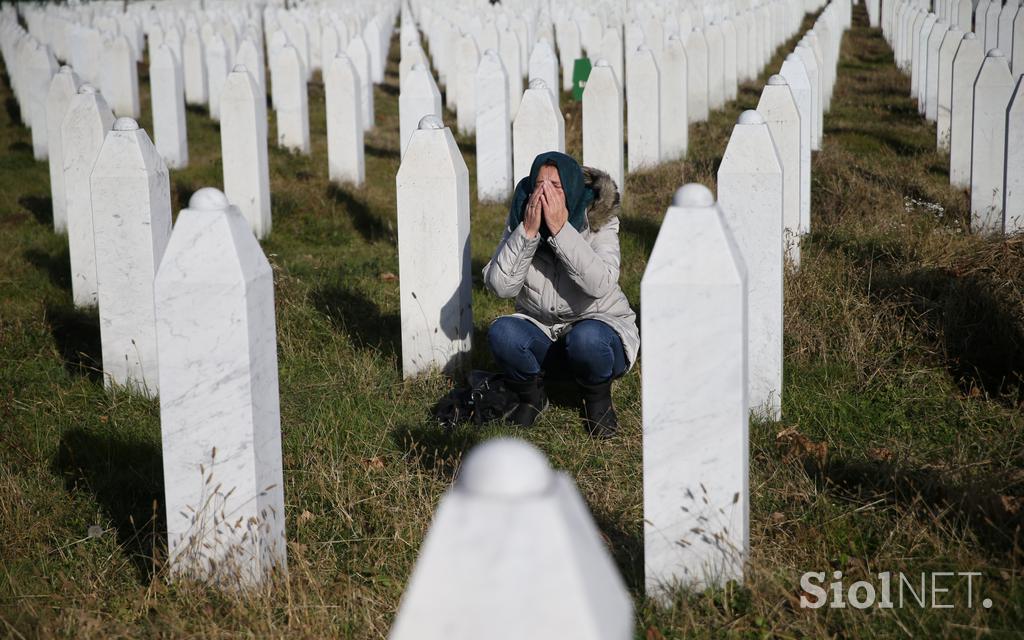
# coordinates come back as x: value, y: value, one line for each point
x: 589, y: 337
x: 595, y: 352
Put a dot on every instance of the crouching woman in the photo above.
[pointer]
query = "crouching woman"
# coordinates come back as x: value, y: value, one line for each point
x: 559, y: 259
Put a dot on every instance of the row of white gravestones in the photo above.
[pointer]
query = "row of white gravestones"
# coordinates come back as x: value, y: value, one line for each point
x: 433, y: 252
x: 969, y: 94
x: 291, y: 103
x: 728, y: 289
x: 217, y: 359
x: 512, y: 553
x: 345, y: 149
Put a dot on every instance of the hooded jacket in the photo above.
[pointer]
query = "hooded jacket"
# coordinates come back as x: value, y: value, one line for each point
x: 572, y: 276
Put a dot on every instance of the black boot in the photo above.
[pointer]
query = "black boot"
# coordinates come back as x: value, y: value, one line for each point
x: 598, y: 413
x: 532, y: 401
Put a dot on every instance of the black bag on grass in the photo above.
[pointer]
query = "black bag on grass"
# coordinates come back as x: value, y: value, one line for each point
x: 486, y: 399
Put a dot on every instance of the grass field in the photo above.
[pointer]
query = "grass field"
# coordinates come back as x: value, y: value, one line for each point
x: 900, y: 448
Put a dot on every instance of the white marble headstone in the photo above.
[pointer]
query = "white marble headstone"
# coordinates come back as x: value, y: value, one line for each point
x: 544, y: 66
x: 695, y: 444
x: 750, y: 193
x: 697, y: 76
x: 513, y: 553
x: 992, y: 92
x: 643, y: 110
x: 40, y: 68
x: 131, y: 218
x: 216, y: 71
x: 167, y: 90
x: 120, y: 78
x: 603, y: 135
x: 466, y: 63
x: 243, y: 143
x: 63, y: 87
x: 675, y: 130
x: 947, y: 51
x: 779, y: 110
x: 345, y: 151
x: 419, y: 97
x: 1013, y: 173
x: 966, y: 65
x: 86, y: 123
x: 358, y: 52
x: 434, y: 253
x: 538, y: 127
x: 493, y: 130
x: 220, y: 412
x: 194, y: 68
x: 795, y: 73
x: 292, y: 103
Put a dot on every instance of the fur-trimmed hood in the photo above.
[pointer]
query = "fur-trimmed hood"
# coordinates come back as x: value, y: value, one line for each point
x: 606, y: 203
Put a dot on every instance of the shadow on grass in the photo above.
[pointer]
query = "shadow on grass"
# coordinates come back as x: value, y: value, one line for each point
x: 57, y: 266
x: 126, y: 477
x: 76, y: 333
x: 366, y: 223
x: 41, y: 208
x: 435, y: 448
x: 981, y: 507
x: 359, y: 317
x: 380, y: 152
x: 626, y: 547
x: 981, y: 335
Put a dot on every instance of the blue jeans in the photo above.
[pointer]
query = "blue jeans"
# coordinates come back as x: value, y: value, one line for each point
x: 592, y: 349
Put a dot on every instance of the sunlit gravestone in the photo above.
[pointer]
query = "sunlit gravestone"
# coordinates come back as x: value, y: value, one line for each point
x: 538, y: 128
x: 493, y: 130
x: 513, y: 553
x: 750, y: 193
x: 643, y: 110
x: 780, y: 112
x: 63, y: 87
x: 1013, y: 173
x: 131, y: 212
x: 243, y: 144
x: 966, y: 65
x: 675, y: 130
x: 433, y: 252
x: 695, y: 444
x: 947, y: 52
x: 219, y: 404
x: 603, y: 136
x: 419, y: 97
x: 697, y: 76
x: 992, y: 92
x: 345, y: 151
x: 85, y: 126
x: 168, y: 94
x: 292, y: 106
x: 796, y: 77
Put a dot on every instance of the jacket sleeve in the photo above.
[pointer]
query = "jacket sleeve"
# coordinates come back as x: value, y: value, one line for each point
x: 506, y: 271
x: 593, y: 265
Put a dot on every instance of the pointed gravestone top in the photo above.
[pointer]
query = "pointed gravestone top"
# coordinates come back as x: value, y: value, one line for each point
x: 693, y: 195
x: 602, y: 63
x: 505, y: 468
x: 88, y: 88
x: 777, y: 80
x: 995, y: 53
x: 239, y: 68
x: 537, y: 83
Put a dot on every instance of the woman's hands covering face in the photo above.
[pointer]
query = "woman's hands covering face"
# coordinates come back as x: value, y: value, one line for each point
x: 532, y: 218
x: 553, y: 207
